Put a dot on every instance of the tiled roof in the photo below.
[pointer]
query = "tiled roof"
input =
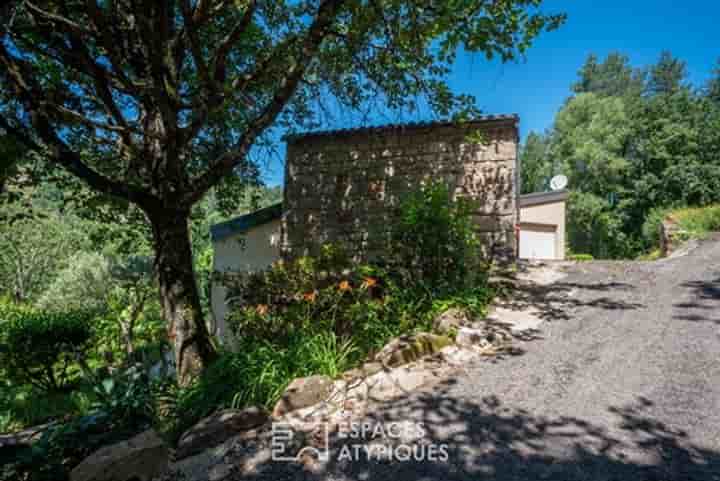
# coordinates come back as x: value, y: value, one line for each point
x: 537, y: 198
x: 387, y: 127
x: 246, y: 222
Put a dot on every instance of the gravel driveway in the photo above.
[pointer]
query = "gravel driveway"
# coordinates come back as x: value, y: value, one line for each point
x: 622, y: 382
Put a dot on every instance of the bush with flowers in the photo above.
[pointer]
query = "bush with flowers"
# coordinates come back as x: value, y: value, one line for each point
x: 326, y: 314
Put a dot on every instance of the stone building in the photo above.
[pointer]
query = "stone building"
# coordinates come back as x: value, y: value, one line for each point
x: 342, y: 186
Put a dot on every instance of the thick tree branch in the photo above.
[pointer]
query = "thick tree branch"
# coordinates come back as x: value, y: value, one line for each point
x: 29, y: 93
x: 194, y: 45
x: 57, y: 152
x: 56, y: 19
x: 97, y: 18
x: 231, y: 39
x: 308, y: 49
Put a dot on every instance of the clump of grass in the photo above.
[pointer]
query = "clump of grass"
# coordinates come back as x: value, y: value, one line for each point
x: 697, y: 222
x: 255, y: 373
x: 23, y: 406
x: 653, y: 255
x: 580, y: 257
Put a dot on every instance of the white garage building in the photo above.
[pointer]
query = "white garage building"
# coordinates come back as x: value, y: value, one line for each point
x: 541, y: 229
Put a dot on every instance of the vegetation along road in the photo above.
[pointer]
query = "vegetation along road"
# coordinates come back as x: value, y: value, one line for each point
x: 621, y: 383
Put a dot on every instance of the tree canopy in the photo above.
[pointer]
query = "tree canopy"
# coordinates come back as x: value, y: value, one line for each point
x: 158, y: 102
x: 632, y: 141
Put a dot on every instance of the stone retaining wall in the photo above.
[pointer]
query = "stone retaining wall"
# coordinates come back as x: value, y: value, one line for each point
x: 344, y: 187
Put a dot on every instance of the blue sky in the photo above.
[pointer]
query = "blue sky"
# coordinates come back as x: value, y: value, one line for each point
x: 641, y: 29
x: 536, y: 87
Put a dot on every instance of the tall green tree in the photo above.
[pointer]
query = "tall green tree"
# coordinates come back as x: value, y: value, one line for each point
x: 156, y: 102
x: 536, y: 165
x: 591, y: 135
x: 612, y: 77
x: 713, y: 88
x: 632, y: 152
x: 667, y: 75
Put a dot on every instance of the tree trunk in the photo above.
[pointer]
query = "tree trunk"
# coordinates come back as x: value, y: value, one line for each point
x: 179, y: 295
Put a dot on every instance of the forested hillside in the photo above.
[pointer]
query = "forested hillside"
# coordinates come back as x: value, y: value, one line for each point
x: 55, y: 238
x: 633, y: 141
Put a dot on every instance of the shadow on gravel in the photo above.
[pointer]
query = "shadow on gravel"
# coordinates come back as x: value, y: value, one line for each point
x: 555, y: 301
x: 706, y: 299
x: 486, y: 440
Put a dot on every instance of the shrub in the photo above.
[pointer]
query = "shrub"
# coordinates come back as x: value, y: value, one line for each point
x: 41, y: 348
x: 693, y: 222
x: 320, y: 294
x: 256, y: 374
x: 651, y: 227
x: 434, y: 237
x: 326, y: 314
x: 25, y: 406
x: 698, y: 221
x: 84, y: 283
x: 59, y: 449
x: 126, y: 397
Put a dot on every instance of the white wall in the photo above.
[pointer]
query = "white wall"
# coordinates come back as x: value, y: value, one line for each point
x: 252, y: 250
x: 550, y: 214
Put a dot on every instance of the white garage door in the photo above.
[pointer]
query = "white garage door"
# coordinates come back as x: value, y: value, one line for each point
x: 537, y: 244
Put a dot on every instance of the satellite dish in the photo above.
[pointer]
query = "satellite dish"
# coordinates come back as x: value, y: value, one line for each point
x: 558, y: 182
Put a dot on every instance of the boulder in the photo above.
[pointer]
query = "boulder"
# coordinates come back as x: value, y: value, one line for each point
x: 215, y: 429
x: 303, y: 392
x: 141, y: 458
x: 467, y: 337
x: 210, y: 464
x: 451, y: 320
x: 220, y: 472
x: 409, y: 348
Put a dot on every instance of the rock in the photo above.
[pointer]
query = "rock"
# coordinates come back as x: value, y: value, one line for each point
x: 399, y: 382
x: 303, y: 392
x: 367, y: 369
x: 220, y: 472
x: 459, y: 356
x: 141, y: 458
x: 405, y: 349
x: 215, y: 429
x: 467, y: 337
x: 384, y: 385
x: 451, y: 320
x: 210, y: 463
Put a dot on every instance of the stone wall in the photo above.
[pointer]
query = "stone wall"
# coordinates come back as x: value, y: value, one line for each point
x: 344, y: 186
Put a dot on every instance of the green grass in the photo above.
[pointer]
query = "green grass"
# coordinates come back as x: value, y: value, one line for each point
x: 580, y: 257
x: 22, y: 407
x: 696, y: 222
x: 653, y: 255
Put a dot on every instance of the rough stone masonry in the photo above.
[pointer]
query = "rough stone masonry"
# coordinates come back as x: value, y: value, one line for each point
x: 344, y: 186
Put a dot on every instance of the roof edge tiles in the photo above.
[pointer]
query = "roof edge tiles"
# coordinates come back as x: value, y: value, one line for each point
x: 538, y: 198
x: 246, y: 222
x: 514, y: 118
